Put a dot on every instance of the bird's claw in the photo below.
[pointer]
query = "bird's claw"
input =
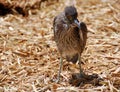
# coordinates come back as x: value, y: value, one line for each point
x: 56, y: 80
x: 82, y: 74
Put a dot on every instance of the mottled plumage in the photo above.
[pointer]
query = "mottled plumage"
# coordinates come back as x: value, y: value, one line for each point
x: 70, y: 35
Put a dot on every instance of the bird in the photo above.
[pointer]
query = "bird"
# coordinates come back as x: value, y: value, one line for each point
x: 70, y: 36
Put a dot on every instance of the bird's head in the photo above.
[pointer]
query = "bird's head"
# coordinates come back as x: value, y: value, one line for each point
x: 71, y: 15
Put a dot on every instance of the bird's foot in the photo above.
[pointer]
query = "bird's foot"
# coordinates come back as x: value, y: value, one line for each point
x: 55, y: 80
x: 82, y: 74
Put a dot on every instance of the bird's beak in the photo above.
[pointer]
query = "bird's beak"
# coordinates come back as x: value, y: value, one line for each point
x: 77, y: 23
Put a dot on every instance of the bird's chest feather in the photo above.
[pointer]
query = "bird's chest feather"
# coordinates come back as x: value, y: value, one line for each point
x: 69, y: 43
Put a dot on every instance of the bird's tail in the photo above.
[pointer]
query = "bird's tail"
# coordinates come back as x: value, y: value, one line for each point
x: 73, y: 58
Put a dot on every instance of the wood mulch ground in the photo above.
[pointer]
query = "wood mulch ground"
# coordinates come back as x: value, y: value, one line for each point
x: 29, y: 59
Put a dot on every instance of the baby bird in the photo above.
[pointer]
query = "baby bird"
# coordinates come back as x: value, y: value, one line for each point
x: 70, y: 36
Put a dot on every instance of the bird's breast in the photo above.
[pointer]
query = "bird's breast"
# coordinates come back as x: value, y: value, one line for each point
x: 68, y: 44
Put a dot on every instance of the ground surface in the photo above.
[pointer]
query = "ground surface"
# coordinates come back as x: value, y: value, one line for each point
x: 29, y: 59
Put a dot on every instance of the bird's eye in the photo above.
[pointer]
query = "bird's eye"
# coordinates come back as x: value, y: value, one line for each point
x: 69, y: 17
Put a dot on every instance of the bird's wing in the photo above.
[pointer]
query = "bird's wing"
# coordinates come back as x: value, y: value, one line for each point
x: 83, y: 34
x: 59, y: 26
x: 83, y: 26
x: 54, y: 24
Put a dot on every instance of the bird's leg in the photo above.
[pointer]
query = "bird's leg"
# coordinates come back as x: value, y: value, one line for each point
x: 60, y: 67
x: 81, y: 71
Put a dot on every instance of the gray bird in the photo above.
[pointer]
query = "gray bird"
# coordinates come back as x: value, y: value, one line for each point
x: 70, y: 36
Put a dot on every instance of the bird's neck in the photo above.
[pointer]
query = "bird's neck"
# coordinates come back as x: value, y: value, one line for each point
x: 66, y: 20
